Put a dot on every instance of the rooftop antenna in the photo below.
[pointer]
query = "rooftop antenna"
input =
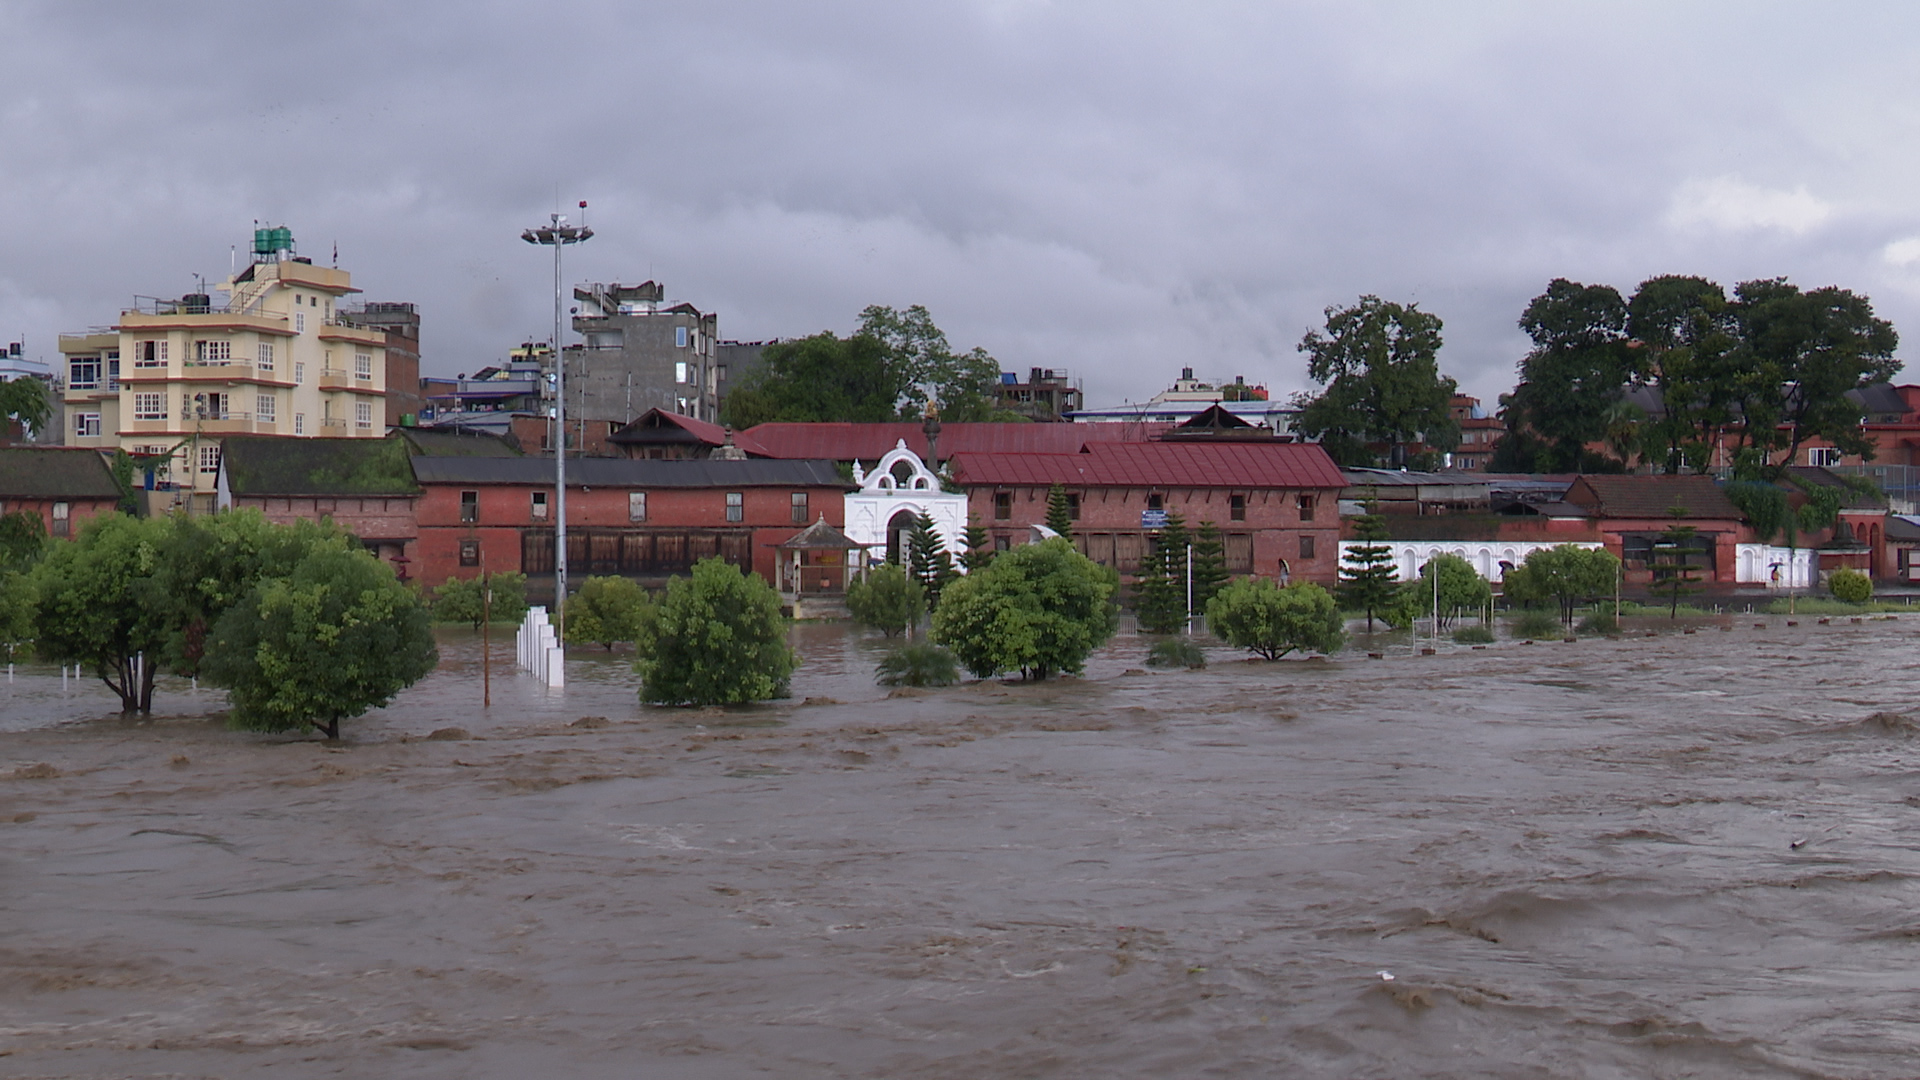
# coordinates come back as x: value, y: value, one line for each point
x: 336, y: 254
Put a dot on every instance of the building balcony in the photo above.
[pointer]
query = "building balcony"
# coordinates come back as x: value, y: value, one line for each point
x: 336, y: 379
x: 335, y: 426
x: 337, y: 330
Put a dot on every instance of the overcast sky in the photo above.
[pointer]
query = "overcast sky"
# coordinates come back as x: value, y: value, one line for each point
x: 1117, y: 188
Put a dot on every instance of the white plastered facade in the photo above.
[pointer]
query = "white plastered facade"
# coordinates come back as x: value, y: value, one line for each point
x: 901, y: 481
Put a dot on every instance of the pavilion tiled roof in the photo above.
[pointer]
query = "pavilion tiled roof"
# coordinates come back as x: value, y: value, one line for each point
x: 1652, y: 497
x: 870, y: 442
x: 1158, y: 464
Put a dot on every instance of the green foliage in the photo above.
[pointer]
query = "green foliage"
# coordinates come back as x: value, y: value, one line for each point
x: 1160, y: 587
x: 1473, y: 635
x: 1059, y: 516
x: 718, y: 638
x: 604, y: 610
x: 1209, y: 564
x: 25, y: 399
x: 1377, y: 362
x: 818, y: 378
x: 961, y: 383
x: 23, y: 537
x: 1039, y: 609
x: 1850, y: 586
x: 1572, y: 383
x: 464, y: 600
x: 1366, y: 569
x: 90, y: 608
x: 122, y: 469
x: 979, y: 546
x: 1599, y: 622
x: 928, y: 560
x: 1535, y: 624
x: 1822, y: 508
x: 918, y: 665
x: 1462, y: 589
x: 1765, y: 507
x: 336, y: 636
x: 1256, y: 614
x: 887, y: 599
x: 1676, y: 564
x: 1566, y: 574
x: 1176, y: 652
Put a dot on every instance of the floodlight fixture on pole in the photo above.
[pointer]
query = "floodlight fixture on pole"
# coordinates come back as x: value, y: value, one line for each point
x: 558, y: 234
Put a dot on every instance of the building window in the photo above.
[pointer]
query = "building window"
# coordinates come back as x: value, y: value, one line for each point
x: 62, y: 519
x: 636, y: 506
x: 469, y: 553
x: 539, y: 506
x: 86, y: 425
x: 1305, y: 504
x: 299, y: 423
x: 363, y: 366
x: 1002, y: 505
x: 212, y: 352
x: 680, y: 339
x: 469, y: 506
x: 210, y: 459
x: 1306, y: 547
x: 266, y: 356
x: 1822, y: 456
x: 1155, y: 502
x: 799, y: 508
x: 299, y: 371
x: 263, y: 408
x: 679, y: 371
x: 150, y: 353
x: 736, y: 506
x: 83, y: 373
x: 113, y: 370
x: 299, y: 320
x: 1073, y: 507
x: 149, y: 406
x: 363, y: 414
x: 1236, y: 508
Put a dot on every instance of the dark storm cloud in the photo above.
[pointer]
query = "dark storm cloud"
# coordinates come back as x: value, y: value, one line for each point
x: 1120, y: 189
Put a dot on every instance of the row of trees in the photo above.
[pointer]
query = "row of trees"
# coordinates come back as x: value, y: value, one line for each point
x: 888, y: 369
x: 296, y: 622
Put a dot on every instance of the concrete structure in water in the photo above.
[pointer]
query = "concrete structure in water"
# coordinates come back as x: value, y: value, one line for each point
x: 274, y: 355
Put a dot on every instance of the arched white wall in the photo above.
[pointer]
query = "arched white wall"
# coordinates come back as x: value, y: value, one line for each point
x: 881, y: 496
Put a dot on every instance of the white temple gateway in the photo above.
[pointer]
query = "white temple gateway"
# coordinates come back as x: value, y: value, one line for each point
x: 891, y: 497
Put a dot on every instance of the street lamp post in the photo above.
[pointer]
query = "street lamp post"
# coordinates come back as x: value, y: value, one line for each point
x: 559, y: 234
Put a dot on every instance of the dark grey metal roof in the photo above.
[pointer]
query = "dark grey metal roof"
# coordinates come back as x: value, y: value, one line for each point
x: 55, y: 473
x: 626, y: 473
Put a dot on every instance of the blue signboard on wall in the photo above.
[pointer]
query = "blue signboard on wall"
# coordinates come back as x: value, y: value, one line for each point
x: 1153, y: 519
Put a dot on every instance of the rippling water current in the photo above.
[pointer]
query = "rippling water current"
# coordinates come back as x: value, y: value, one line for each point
x: 1683, y: 855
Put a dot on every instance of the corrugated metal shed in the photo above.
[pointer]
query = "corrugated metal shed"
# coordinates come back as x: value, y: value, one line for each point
x: 870, y: 442
x: 1652, y: 497
x: 1158, y: 464
x: 623, y: 473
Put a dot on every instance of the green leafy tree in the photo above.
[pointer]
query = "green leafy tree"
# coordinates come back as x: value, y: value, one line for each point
x: 1461, y: 588
x: 90, y: 610
x: 979, y: 546
x: 1377, y: 362
x: 887, y: 599
x: 1039, y: 609
x: 1850, y: 586
x: 1572, y: 383
x: 335, y: 637
x: 1209, y: 564
x: 23, y: 537
x: 25, y: 400
x: 18, y: 601
x: 929, y: 370
x: 928, y: 560
x: 1059, y: 514
x: 718, y: 638
x: 1566, y: 574
x: 918, y: 665
x: 1675, y: 565
x: 819, y: 378
x: 1367, y: 572
x: 605, y: 611
x: 464, y: 600
x: 1766, y: 508
x: 1160, y: 587
x: 1272, y: 621
x: 122, y: 470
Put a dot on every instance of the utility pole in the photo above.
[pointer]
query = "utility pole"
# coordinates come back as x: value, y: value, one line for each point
x: 558, y: 234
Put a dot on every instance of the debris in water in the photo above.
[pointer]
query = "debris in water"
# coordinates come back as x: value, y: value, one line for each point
x: 1385, y: 975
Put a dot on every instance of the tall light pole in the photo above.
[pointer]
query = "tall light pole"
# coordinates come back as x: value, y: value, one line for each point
x: 559, y: 234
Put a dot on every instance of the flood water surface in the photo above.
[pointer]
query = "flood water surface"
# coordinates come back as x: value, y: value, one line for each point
x: 1690, y: 855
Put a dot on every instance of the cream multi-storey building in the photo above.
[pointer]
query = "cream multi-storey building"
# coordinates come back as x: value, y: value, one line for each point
x: 275, y: 357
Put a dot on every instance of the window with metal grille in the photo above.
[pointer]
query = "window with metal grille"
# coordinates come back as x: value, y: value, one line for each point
x: 1236, y: 508
x: 539, y: 506
x: 1002, y: 505
x: 799, y: 508
x: 736, y: 506
x: 636, y: 506
x: 469, y: 506
x: 1306, y: 547
x: 1073, y: 507
x: 1305, y: 505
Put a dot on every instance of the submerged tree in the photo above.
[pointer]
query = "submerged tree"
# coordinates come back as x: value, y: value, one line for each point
x: 928, y: 560
x: 1566, y: 574
x: 604, y: 611
x: 90, y: 611
x: 1160, y: 587
x: 718, y: 638
x: 1460, y: 588
x: 1039, y: 609
x: 1367, y: 573
x: 886, y: 599
x: 1209, y: 564
x: 1272, y: 621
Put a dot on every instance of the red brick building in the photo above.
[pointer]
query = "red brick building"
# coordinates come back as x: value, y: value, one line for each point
x: 64, y: 486
x: 1277, y: 504
x: 641, y: 519
x: 365, y: 486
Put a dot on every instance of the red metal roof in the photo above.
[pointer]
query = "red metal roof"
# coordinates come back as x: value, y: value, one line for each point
x: 870, y: 442
x: 1158, y: 464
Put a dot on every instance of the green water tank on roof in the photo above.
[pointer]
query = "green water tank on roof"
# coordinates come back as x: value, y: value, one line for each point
x: 262, y: 241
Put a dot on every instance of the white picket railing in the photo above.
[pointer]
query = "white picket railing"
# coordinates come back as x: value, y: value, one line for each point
x: 539, y: 648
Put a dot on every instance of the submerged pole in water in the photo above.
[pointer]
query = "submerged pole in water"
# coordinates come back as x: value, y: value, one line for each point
x: 486, y: 644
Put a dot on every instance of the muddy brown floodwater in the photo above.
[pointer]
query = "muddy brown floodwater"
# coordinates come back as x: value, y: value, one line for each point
x: 1686, y: 856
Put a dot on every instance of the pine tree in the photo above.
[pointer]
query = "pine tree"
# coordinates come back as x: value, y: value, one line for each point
x: 1209, y: 564
x: 979, y: 546
x: 1366, y: 570
x: 927, y: 559
x: 1675, y: 574
x: 1160, y: 591
x: 1059, y: 518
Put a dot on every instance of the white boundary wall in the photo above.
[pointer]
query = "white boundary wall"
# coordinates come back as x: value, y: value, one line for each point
x: 1484, y: 556
x: 539, y: 650
x: 1754, y: 565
